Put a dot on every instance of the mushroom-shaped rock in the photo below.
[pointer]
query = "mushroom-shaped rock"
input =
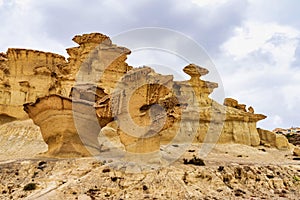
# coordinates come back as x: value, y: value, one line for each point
x: 151, y: 103
x: 195, y: 71
x: 92, y: 38
x: 199, y: 89
x: 61, y: 121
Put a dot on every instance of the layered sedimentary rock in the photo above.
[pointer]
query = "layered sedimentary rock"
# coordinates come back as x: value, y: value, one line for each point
x: 81, y: 81
x: 216, y: 123
x: 144, y: 105
x: 272, y: 139
x: 96, y: 60
x: 26, y: 75
x: 137, y: 109
x: 70, y: 126
x: 197, y: 110
x: 193, y: 117
x: 240, y: 127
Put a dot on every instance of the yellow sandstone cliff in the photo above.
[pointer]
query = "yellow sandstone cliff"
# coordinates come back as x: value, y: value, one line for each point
x: 134, y: 109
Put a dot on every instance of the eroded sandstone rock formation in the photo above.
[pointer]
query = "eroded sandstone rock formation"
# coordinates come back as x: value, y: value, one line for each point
x: 136, y: 109
x: 54, y: 115
x: 272, y: 139
x: 216, y: 123
x: 29, y: 75
x: 97, y: 61
x: 144, y: 105
x: 26, y: 75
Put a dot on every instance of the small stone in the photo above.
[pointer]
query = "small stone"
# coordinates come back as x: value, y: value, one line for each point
x: 296, y: 151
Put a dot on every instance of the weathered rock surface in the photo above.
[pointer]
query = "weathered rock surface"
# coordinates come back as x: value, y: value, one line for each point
x: 20, y: 139
x: 230, y: 102
x: 272, y: 139
x: 231, y: 171
x: 98, y: 61
x: 54, y: 115
x: 282, y: 142
x: 144, y: 104
x: 26, y: 75
x: 109, y: 137
x: 294, y: 139
x: 77, y: 120
x: 242, y: 126
x: 151, y: 109
x: 136, y: 111
x: 215, y: 123
x: 4, y: 118
x: 296, y: 151
x: 98, y: 100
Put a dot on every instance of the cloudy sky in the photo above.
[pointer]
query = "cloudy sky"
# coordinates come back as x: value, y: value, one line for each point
x: 254, y: 44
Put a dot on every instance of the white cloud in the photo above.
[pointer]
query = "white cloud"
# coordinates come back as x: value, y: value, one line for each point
x: 253, y: 36
x: 277, y: 121
x: 161, y: 61
x: 291, y: 94
x: 257, y: 70
x: 203, y: 3
x: 22, y: 28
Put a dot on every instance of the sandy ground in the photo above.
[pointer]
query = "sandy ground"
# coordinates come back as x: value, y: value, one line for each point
x: 231, y: 171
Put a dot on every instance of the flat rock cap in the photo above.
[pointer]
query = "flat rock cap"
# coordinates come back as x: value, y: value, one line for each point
x: 195, y: 70
x: 92, y: 38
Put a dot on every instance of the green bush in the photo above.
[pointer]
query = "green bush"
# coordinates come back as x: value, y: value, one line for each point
x: 296, y: 178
